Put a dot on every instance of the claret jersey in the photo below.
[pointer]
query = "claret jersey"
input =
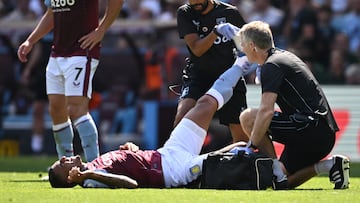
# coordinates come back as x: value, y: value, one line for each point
x: 143, y: 166
x: 72, y: 20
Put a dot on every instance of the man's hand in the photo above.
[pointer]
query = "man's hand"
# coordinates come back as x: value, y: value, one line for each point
x: 24, y: 50
x: 90, y: 40
x: 227, y: 30
x: 75, y: 175
x: 129, y: 146
x: 236, y: 150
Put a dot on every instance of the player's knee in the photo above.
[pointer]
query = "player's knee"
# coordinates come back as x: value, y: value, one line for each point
x: 57, y: 111
x: 76, y: 111
x: 208, y: 102
x: 246, y: 118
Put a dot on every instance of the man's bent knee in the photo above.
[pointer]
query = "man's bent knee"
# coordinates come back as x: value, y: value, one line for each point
x: 247, y: 118
x: 247, y: 114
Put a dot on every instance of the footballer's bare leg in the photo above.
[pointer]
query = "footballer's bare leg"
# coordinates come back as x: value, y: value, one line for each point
x: 62, y: 126
x: 183, y: 107
x: 203, y: 112
x: 238, y: 133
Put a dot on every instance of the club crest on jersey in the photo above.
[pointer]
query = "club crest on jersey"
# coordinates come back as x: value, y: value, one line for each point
x: 220, y: 20
x: 185, y: 92
x: 76, y: 84
x: 197, y: 24
x: 195, y: 170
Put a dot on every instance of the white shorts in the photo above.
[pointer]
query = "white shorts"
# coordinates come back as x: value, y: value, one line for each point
x: 70, y: 76
x: 180, y: 159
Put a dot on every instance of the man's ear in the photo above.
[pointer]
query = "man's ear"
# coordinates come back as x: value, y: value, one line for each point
x: 251, y: 44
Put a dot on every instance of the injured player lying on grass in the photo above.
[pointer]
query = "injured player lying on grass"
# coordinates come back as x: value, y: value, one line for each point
x: 177, y: 163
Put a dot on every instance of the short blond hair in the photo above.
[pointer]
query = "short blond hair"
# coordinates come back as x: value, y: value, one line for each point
x: 259, y: 33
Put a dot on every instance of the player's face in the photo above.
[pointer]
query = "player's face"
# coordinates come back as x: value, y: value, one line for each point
x: 199, y: 5
x: 64, y: 165
x: 247, y: 48
x: 242, y: 44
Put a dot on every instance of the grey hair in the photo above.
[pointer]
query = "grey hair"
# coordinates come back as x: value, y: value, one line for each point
x: 259, y: 33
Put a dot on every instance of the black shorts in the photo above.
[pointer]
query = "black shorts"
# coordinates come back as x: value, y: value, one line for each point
x: 306, y: 140
x: 38, y: 77
x: 230, y: 112
x: 38, y: 86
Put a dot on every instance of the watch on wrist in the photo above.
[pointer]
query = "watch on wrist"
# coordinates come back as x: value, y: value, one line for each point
x: 215, y: 31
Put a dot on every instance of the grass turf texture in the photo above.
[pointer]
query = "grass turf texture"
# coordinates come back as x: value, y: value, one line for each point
x: 20, y: 182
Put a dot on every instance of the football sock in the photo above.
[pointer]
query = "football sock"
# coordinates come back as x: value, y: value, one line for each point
x: 88, y: 134
x: 278, y: 172
x: 222, y: 89
x: 63, y: 135
x: 323, y: 166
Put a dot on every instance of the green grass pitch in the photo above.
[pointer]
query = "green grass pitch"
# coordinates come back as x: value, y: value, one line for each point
x: 20, y: 181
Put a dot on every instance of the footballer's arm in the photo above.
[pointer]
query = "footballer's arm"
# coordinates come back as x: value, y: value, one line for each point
x: 108, y: 179
x: 111, y: 180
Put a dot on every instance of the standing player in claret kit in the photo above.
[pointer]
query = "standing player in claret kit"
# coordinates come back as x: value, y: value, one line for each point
x: 210, y: 55
x: 71, y: 67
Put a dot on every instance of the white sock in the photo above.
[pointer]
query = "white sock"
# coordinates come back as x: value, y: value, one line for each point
x: 63, y: 136
x: 323, y: 166
x: 223, y: 87
x: 88, y: 133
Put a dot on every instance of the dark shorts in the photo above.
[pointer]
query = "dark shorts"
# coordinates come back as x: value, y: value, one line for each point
x: 38, y: 86
x: 230, y: 112
x: 38, y: 77
x: 306, y: 140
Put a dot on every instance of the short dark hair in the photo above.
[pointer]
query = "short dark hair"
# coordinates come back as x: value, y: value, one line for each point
x: 57, y: 182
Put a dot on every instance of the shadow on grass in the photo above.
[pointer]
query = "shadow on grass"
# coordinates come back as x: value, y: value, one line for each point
x: 42, y: 163
x: 308, y: 189
x: 27, y: 181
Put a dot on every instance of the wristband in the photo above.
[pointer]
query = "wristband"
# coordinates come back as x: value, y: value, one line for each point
x: 215, y: 31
